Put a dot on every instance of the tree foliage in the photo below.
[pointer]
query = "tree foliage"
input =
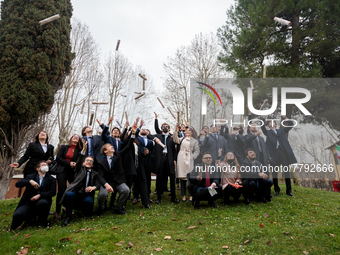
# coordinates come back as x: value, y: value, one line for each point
x: 34, y: 59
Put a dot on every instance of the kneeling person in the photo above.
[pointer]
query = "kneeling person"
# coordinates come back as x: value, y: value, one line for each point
x: 37, y: 198
x: 203, y: 183
x: 80, y: 193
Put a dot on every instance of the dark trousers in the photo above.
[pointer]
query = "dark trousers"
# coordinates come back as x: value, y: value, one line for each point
x: 249, y: 188
x: 140, y: 188
x: 184, y: 187
x: 67, y: 175
x: 202, y: 194
x: 162, y: 179
x: 282, y: 159
x: 29, y: 211
x: 76, y: 201
x: 264, y: 187
x: 231, y: 191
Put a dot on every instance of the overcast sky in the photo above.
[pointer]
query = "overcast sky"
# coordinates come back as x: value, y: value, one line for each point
x: 149, y: 30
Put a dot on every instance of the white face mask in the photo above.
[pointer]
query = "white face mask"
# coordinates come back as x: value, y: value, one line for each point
x: 44, y: 169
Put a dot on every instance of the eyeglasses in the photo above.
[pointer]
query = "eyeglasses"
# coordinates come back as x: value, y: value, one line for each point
x: 89, y: 160
x: 75, y: 136
x: 89, y: 131
x: 208, y: 158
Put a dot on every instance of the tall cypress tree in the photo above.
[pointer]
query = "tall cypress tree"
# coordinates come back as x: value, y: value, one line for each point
x: 34, y: 60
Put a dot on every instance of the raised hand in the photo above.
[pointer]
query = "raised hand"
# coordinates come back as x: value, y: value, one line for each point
x: 141, y: 123
x: 84, y: 145
x: 177, y: 128
x: 127, y: 124
x: 156, y: 115
x: 99, y: 122
x: 110, y: 121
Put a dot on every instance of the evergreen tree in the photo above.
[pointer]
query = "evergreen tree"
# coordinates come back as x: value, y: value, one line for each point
x: 34, y: 60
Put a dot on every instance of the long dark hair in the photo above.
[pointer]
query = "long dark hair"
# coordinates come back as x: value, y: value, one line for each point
x: 79, y: 144
x: 37, y: 136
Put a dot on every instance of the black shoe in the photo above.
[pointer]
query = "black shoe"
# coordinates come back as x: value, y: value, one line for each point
x: 246, y: 201
x: 147, y: 206
x: 212, y: 204
x: 175, y: 200
x: 264, y: 200
x: 268, y: 199
x: 158, y: 202
x: 100, y: 212
x: 290, y: 194
x: 197, y: 205
x: 276, y: 193
x: 119, y: 211
x: 167, y: 190
x: 66, y: 222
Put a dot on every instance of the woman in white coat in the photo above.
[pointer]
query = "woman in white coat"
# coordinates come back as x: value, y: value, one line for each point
x: 189, y: 151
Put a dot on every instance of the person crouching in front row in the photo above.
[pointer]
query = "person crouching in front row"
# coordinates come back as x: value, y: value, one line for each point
x: 37, y: 198
x: 80, y: 193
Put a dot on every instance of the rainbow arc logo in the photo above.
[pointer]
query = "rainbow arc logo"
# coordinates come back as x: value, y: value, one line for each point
x: 209, y: 93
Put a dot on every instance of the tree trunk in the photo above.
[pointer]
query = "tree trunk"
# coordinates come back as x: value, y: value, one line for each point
x: 5, y: 178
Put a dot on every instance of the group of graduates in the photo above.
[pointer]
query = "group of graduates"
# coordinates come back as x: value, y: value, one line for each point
x: 122, y: 162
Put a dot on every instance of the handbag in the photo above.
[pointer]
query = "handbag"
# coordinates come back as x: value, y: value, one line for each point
x: 53, y: 167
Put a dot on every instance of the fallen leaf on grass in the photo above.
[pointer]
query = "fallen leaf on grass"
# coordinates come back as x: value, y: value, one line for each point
x: 38, y: 245
x: 6, y: 214
x: 150, y: 232
x: 247, y: 241
x: 27, y: 236
x: 266, y: 215
x: 256, y: 215
x: 269, y: 243
x: 28, y: 246
x: 167, y: 237
x: 191, y: 227
x: 131, y: 244
x: 158, y: 249
x: 200, y: 222
x: 260, y: 232
x: 331, y: 234
x: 305, y: 252
x: 315, y: 204
x: 114, y: 227
x: 314, y: 212
x: 23, y: 251
x: 79, y: 251
x: 42, y: 233
x: 173, y: 219
x: 76, y: 242
x: 179, y: 240
x: 141, y: 214
x: 286, y: 233
x: 118, y: 244
x: 65, y: 239
x: 225, y: 247
x: 261, y: 225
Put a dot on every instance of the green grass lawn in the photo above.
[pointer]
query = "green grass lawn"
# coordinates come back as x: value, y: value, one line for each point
x: 310, y: 222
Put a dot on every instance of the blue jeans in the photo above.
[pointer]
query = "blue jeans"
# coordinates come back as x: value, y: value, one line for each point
x: 76, y: 201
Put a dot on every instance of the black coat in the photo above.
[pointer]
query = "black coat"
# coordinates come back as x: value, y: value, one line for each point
x: 78, y: 185
x: 129, y: 158
x: 252, y: 143
x: 96, y: 146
x: 236, y: 143
x: 61, y: 155
x: 249, y: 176
x: 212, y: 145
x: 35, y: 153
x: 115, y: 176
x: 155, y: 157
x: 283, y: 140
x: 47, y: 190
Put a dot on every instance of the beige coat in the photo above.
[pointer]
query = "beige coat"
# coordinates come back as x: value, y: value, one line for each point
x: 188, y: 153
